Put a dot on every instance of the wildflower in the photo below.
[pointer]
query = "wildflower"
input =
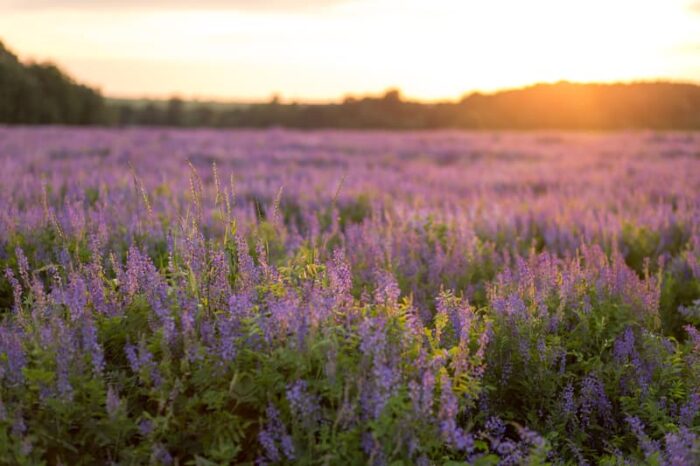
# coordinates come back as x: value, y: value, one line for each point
x: 422, y: 394
x: 96, y: 291
x: 449, y: 408
x: 63, y: 365
x: 19, y: 427
x: 23, y: 265
x: 682, y: 448
x: 113, y: 402
x: 218, y: 287
x: 568, y: 400
x: 92, y: 345
x: 15, y: 358
x: 303, y: 404
x: 387, y: 290
x: 694, y: 336
x: 16, y: 290
x: 594, y: 401
x: 75, y: 297
x: 339, y: 275
x: 624, y: 346
x: 227, y: 339
x: 690, y: 410
x: 459, y: 313
x: 145, y: 427
x: 495, y: 427
x: 247, y: 270
x: 274, y: 437
x: 161, y: 455
x: 142, y: 363
x: 649, y: 447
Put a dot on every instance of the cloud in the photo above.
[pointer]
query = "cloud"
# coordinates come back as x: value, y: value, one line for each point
x: 244, y: 5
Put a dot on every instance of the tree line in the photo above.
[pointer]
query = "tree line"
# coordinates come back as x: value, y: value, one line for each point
x: 42, y: 94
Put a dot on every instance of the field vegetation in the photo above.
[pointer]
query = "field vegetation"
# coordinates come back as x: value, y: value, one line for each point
x: 272, y: 297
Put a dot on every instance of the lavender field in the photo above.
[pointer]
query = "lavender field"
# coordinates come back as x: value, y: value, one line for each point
x: 277, y: 297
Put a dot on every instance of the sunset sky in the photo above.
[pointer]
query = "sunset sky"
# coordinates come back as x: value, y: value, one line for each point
x: 319, y: 50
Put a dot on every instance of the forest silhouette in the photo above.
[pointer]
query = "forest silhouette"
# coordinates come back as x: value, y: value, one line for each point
x: 34, y: 93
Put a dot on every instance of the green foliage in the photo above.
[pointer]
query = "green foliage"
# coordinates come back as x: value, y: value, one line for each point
x: 639, y: 244
x: 42, y: 94
x: 678, y: 289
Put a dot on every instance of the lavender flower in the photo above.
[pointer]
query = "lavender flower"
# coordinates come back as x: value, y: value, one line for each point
x: 495, y: 427
x: 161, y: 455
x: 303, y: 404
x: 339, y: 275
x: 113, y: 402
x: 146, y: 427
x: 246, y: 268
x: 594, y: 401
x: 23, y: 265
x: 682, y: 448
x: 14, y: 355
x: 649, y: 446
x: 275, y: 440
x: 16, y: 290
x: 142, y: 363
x: 624, y: 346
x: 449, y: 408
x: 387, y: 291
x: 568, y: 401
x: 690, y: 410
x: 422, y: 394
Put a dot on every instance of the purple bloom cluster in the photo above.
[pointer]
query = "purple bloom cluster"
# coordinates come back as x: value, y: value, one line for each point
x: 594, y: 401
x: 142, y: 362
x: 449, y: 410
x: 303, y: 404
x: 276, y: 442
x: 15, y: 358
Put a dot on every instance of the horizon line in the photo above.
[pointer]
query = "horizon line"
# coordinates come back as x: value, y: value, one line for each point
x: 279, y: 96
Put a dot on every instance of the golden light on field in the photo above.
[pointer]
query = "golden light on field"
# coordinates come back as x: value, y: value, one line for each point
x: 323, y: 49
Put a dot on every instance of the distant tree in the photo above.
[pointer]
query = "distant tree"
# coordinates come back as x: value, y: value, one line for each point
x: 392, y: 95
x: 151, y: 115
x: 175, y: 112
x: 41, y: 93
x: 203, y: 115
x: 125, y: 114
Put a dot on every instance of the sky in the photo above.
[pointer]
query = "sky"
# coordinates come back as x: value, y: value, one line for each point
x: 320, y: 50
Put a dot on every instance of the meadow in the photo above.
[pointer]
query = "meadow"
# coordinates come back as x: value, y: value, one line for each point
x: 203, y: 297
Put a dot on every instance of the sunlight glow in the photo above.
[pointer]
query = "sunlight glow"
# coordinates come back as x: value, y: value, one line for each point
x: 431, y: 50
